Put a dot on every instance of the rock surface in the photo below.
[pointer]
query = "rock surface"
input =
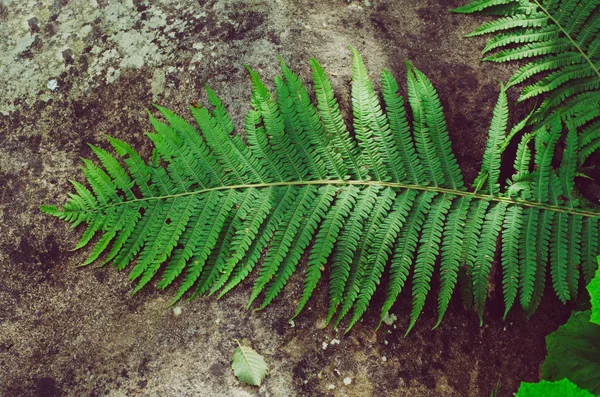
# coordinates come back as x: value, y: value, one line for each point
x: 73, y: 71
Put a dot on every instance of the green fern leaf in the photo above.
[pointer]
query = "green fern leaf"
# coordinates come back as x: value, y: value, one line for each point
x: 210, y: 207
x: 346, y: 246
x: 428, y: 251
x: 325, y: 240
x: 558, y: 39
x: 511, y: 235
x: 485, y: 255
x: 451, y: 253
x: 490, y: 167
x: 405, y: 250
x: 306, y: 229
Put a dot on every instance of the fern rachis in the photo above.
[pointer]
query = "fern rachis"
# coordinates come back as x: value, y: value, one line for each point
x: 388, y: 197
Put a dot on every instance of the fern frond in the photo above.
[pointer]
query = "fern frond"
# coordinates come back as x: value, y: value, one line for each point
x: 249, y: 228
x: 557, y: 38
x: 210, y: 207
x: 538, y: 19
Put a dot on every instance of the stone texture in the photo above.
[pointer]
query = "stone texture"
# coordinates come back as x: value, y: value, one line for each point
x: 66, y: 331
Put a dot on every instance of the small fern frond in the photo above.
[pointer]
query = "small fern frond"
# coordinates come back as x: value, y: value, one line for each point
x: 384, y: 202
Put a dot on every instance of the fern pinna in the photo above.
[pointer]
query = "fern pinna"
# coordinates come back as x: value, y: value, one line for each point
x: 560, y: 42
x: 386, y: 198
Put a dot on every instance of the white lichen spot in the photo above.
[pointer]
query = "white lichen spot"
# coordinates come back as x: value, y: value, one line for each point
x: 334, y: 342
x: 324, y: 345
x: 384, y: 358
x: 112, y: 75
x: 331, y: 387
x: 177, y: 311
x: 386, y: 342
x: 24, y: 43
x: 347, y: 381
x: 52, y: 85
x: 389, y: 319
x: 157, y: 85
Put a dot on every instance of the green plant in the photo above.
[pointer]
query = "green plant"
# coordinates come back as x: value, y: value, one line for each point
x: 574, y: 353
x: 572, y: 366
x: 384, y: 197
x: 560, y: 43
x: 561, y: 388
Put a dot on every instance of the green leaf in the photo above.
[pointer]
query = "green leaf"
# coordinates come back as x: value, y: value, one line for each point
x: 249, y: 366
x: 562, y: 388
x: 574, y: 353
x: 594, y: 290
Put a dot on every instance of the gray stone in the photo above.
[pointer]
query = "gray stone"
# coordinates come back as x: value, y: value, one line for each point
x: 71, y: 331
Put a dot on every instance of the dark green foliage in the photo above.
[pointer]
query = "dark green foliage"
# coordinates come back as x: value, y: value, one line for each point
x: 386, y: 201
x: 559, y: 43
x: 574, y: 353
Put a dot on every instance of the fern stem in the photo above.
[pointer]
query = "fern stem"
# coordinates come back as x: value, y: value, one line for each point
x: 397, y: 185
x: 583, y: 54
